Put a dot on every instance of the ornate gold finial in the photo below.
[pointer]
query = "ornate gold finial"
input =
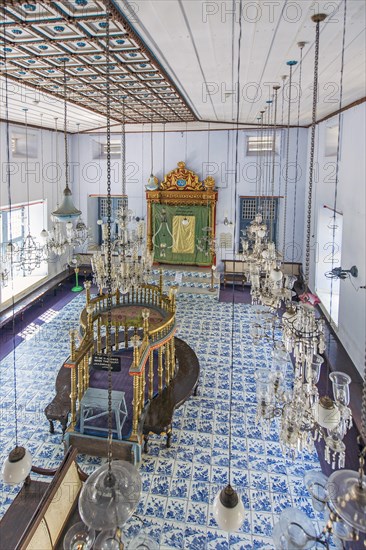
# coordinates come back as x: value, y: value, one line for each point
x: 181, y: 164
x: 209, y: 183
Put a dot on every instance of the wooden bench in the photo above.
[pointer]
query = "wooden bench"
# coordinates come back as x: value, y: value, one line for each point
x: 60, y: 406
x: 32, y: 298
x: 40, y: 514
x: 159, y: 414
x: 234, y: 272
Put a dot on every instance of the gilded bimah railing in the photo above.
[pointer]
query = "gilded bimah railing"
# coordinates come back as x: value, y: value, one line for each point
x: 143, y: 333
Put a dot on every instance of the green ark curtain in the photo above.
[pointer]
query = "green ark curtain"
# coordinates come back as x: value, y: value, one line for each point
x: 175, y: 242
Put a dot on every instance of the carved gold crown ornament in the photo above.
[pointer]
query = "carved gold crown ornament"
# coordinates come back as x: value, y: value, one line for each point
x: 181, y: 178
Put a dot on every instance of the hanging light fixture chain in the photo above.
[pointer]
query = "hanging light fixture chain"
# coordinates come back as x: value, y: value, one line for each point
x: 301, y: 46
x: 276, y: 88
x: 363, y: 407
x: 335, y: 201
x: 109, y: 246
x: 123, y: 149
x: 65, y: 130
x: 268, y: 152
x: 151, y: 148
x: 287, y: 160
x: 41, y: 170
x: 11, y: 242
x: 316, y: 19
x: 27, y: 170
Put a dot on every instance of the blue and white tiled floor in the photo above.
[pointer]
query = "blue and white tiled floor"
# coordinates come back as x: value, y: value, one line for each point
x: 179, y: 483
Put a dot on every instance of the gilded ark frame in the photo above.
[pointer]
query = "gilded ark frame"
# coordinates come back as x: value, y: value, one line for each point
x: 182, y: 187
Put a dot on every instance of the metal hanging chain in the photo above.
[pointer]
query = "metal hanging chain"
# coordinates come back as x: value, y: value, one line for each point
x: 336, y: 183
x: 284, y: 77
x: 257, y: 167
x: 267, y: 151
x: 186, y: 144
x: 338, y: 147
x: 235, y: 222
x: 151, y: 148
x: 291, y: 64
x: 27, y: 169
x: 318, y: 18
x: 41, y: 172
x: 78, y: 151
x: 8, y: 182
x: 142, y: 169
x: 123, y: 151
x: 301, y: 46
x: 56, y: 159
x: 109, y: 246
x: 164, y: 129
x: 363, y: 407
x: 260, y: 161
x: 275, y: 88
x: 65, y: 130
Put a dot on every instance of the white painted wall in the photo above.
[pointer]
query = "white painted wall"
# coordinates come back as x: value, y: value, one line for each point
x: 351, y: 202
x: 42, y: 171
x: 216, y: 158
x: 205, y: 153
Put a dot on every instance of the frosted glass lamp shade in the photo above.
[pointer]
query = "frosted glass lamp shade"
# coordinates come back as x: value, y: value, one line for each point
x: 326, y: 414
x: 67, y: 211
x: 17, y: 466
x: 276, y: 275
x: 108, y: 500
x: 152, y: 183
x: 228, y: 509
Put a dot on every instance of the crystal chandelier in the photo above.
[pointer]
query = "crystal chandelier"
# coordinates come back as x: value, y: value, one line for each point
x: 206, y: 243
x: 163, y: 230
x: 5, y: 266
x: 261, y: 259
x: 28, y: 256
x: 56, y: 242
x: 63, y: 236
x: 111, y: 493
x: 304, y: 416
x: 131, y: 263
x: 341, y: 497
x: 307, y: 416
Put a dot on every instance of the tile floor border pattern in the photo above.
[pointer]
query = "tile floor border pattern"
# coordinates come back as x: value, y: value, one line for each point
x: 178, y: 484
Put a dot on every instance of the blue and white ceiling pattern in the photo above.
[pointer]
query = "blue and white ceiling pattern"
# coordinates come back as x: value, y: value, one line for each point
x: 41, y: 39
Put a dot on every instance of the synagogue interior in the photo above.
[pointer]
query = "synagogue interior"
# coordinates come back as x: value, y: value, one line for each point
x: 182, y: 274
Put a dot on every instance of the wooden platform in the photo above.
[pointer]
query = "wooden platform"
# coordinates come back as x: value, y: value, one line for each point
x: 159, y: 416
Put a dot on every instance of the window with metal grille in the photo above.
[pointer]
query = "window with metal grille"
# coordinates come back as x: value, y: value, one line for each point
x: 116, y: 203
x: 260, y: 144
x: 267, y: 206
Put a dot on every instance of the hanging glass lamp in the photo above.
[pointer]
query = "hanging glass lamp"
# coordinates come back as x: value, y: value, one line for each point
x: 110, y: 496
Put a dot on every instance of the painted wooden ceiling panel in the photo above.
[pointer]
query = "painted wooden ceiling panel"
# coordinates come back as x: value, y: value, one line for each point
x: 41, y: 41
x: 196, y: 45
